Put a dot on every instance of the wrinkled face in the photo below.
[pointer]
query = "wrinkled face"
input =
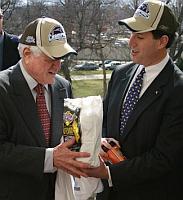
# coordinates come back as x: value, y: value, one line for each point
x: 145, y: 49
x: 42, y: 68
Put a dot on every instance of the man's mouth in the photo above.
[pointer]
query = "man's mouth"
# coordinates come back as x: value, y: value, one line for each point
x: 52, y: 73
x: 134, y: 52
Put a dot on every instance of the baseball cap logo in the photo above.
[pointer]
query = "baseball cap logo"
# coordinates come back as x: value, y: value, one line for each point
x: 142, y: 11
x: 30, y: 39
x: 57, y: 33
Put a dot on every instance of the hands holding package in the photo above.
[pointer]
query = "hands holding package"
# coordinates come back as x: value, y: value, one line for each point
x: 110, y: 152
x: 66, y: 159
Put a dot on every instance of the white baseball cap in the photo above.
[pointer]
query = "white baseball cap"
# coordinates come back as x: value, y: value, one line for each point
x: 152, y: 15
x: 49, y: 36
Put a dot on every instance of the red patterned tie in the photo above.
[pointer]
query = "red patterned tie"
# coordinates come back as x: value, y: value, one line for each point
x: 43, y: 112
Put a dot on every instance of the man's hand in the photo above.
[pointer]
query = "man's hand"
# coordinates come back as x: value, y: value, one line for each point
x: 65, y: 159
x: 98, y: 172
x: 105, y: 142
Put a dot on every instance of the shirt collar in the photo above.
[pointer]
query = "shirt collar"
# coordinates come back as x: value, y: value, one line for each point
x: 157, y: 68
x: 30, y: 81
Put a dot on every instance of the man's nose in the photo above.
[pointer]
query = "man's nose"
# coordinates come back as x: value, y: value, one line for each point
x: 56, y: 64
x: 132, y: 40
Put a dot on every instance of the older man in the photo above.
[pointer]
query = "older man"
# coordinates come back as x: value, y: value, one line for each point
x: 31, y: 108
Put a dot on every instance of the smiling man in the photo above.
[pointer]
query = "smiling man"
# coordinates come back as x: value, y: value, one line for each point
x: 143, y: 111
x: 31, y: 108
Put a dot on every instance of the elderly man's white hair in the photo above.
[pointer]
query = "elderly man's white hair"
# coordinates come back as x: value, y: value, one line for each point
x: 34, y: 49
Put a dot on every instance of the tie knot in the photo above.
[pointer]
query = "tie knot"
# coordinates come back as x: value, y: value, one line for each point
x: 39, y: 89
x: 142, y: 72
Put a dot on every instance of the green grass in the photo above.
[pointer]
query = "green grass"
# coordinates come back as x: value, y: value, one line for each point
x: 86, y: 72
x: 84, y: 88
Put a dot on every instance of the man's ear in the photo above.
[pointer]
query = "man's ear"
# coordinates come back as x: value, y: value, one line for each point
x: 163, y: 41
x: 26, y: 52
x: 26, y: 55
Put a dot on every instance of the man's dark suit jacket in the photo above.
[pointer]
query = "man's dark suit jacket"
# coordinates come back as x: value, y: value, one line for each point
x: 10, y: 52
x: 22, y: 144
x: 152, y: 140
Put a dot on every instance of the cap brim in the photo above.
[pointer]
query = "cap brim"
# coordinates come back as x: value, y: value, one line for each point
x: 57, y: 52
x: 135, y: 25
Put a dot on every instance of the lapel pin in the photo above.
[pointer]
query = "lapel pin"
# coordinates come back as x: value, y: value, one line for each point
x: 156, y: 92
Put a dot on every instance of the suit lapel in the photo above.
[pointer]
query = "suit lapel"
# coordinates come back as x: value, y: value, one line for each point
x: 122, y: 85
x: 24, y: 101
x: 125, y: 82
x: 153, y: 92
x: 117, y: 89
x: 57, y: 113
